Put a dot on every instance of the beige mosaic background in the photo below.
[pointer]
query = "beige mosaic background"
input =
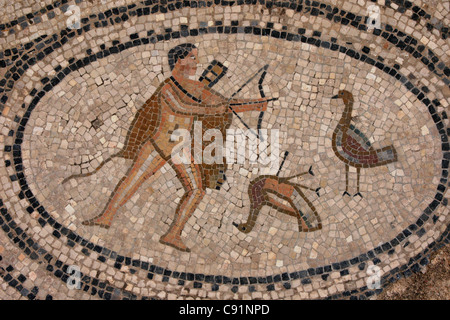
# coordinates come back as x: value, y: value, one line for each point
x: 60, y: 136
x: 306, y: 118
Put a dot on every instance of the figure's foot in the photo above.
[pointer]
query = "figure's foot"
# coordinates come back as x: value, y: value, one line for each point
x: 97, y: 222
x: 346, y: 194
x: 358, y: 194
x: 174, y: 242
x: 310, y: 171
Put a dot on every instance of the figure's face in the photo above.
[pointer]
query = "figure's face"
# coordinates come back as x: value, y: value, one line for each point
x: 243, y: 228
x: 188, y: 65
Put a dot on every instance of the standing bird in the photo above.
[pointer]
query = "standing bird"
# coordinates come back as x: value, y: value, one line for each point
x: 353, y: 148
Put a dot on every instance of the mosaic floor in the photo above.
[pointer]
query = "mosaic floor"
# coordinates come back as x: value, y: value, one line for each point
x: 104, y: 196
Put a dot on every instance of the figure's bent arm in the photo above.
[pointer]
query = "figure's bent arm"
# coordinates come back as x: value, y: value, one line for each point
x: 192, y: 108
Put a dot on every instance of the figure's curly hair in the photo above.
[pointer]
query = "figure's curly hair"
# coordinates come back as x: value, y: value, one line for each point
x: 179, y: 52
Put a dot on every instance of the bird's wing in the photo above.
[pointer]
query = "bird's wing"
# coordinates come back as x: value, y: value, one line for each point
x: 360, y: 138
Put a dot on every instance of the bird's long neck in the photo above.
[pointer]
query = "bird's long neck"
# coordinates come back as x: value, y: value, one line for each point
x: 347, y: 114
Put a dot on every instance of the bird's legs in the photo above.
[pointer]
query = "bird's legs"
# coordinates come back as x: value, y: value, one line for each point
x: 358, y: 172
x: 346, y: 181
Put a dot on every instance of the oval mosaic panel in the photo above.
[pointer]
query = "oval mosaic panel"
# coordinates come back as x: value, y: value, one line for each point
x: 347, y: 103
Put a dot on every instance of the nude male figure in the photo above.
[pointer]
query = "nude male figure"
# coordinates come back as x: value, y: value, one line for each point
x: 174, y: 105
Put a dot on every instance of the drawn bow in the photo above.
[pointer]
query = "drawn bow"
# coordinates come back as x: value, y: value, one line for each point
x: 263, y: 72
x: 261, y: 92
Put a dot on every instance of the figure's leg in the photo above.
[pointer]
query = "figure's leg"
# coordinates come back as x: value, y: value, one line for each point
x: 190, y: 178
x: 307, y: 188
x: 258, y: 199
x: 358, y: 174
x: 306, y: 211
x: 151, y: 170
x: 284, y: 191
x: 346, y: 181
x: 295, y: 203
x: 298, y: 175
x: 290, y: 210
x: 146, y: 163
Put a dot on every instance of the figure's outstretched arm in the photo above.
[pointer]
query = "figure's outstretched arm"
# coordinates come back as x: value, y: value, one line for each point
x: 242, y: 105
x: 211, y: 103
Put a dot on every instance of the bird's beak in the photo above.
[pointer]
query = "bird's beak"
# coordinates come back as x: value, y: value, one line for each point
x: 335, y: 97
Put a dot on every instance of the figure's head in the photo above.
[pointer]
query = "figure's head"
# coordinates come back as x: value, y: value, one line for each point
x: 344, y: 95
x: 243, y: 227
x: 183, y: 59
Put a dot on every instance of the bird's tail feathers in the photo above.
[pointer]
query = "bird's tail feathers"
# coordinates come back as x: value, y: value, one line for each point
x: 387, y: 154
